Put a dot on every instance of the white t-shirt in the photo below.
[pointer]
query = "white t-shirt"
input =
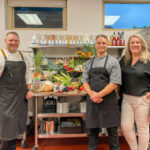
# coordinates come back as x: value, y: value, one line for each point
x: 16, y: 57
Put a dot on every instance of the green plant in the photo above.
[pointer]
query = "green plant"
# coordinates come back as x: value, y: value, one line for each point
x: 89, y: 48
x: 38, y: 59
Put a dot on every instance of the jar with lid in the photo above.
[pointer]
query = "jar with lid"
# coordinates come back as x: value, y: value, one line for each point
x: 85, y: 39
x: 72, y: 40
x: 79, y: 39
x: 92, y: 39
x: 43, y: 40
x: 35, y: 39
x: 68, y: 40
x: 64, y: 40
x: 51, y: 40
x: 58, y: 40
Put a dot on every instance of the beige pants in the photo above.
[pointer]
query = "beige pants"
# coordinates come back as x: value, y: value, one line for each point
x: 135, y: 110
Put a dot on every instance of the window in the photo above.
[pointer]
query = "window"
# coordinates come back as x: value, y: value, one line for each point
x: 126, y: 15
x: 50, y: 15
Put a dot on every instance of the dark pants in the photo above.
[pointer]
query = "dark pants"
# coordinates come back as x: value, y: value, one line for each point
x: 8, y: 145
x: 113, y: 138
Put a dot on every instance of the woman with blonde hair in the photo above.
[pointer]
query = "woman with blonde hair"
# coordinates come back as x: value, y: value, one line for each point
x: 135, y: 68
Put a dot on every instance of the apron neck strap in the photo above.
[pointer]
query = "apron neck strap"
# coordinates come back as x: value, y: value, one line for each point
x: 106, y: 61
x: 21, y: 54
x: 93, y: 62
x: 4, y: 54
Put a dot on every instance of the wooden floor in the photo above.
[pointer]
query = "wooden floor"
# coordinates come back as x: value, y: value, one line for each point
x: 70, y: 144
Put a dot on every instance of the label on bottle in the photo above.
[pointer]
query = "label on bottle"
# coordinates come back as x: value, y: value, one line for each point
x: 72, y: 42
x: 64, y: 42
x: 79, y: 42
x: 43, y: 42
x: 51, y: 42
x: 123, y: 42
x: 58, y: 42
x: 114, y: 43
x: 86, y: 42
x: 34, y: 41
x: 92, y: 42
x: 118, y: 43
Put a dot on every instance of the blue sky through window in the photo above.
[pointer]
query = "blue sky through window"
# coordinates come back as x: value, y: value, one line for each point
x: 127, y: 16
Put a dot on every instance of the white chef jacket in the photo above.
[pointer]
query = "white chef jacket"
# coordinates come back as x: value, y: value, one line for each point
x: 16, y: 57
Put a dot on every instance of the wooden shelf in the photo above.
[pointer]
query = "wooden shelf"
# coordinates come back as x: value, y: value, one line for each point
x: 116, y: 47
x: 75, y: 46
x: 42, y: 94
x: 57, y: 46
x: 59, y: 135
x: 46, y: 115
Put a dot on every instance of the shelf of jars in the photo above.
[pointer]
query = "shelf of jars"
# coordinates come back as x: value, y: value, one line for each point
x: 56, y: 46
x: 73, y: 46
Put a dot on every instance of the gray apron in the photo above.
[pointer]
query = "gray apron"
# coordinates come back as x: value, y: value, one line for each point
x: 13, y: 105
x: 105, y: 114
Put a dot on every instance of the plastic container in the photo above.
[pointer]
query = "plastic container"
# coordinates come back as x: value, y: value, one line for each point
x: 62, y: 107
x: 86, y: 39
x: 43, y: 40
x: 58, y: 40
x: 64, y: 40
x: 72, y: 40
x: 51, y: 40
x: 79, y: 40
x: 35, y: 39
x: 92, y: 39
x: 82, y: 107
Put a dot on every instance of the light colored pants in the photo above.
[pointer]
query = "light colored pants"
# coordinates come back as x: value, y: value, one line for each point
x: 135, y: 110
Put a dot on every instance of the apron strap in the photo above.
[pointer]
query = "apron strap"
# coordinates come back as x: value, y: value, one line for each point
x: 21, y: 54
x: 91, y: 67
x: 4, y: 54
x: 93, y: 62
x: 5, y: 57
x: 106, y: 61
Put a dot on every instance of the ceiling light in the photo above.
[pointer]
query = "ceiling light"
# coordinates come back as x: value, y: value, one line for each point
x: 110, y: 20
x: 30, y: 19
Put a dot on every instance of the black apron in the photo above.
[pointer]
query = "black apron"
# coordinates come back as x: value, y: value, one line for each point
x: 13, y: 105
x: 105, y: 114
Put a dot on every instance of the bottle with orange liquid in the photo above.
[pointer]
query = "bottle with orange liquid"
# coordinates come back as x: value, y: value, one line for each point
x: 114, y: 40
x: 118, y: 39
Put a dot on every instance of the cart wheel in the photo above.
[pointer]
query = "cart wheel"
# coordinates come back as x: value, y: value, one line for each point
x: 35, y: 148
x: 23, y: 144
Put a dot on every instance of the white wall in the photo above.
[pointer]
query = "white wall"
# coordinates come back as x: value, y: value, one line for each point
x: 83, y: 16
